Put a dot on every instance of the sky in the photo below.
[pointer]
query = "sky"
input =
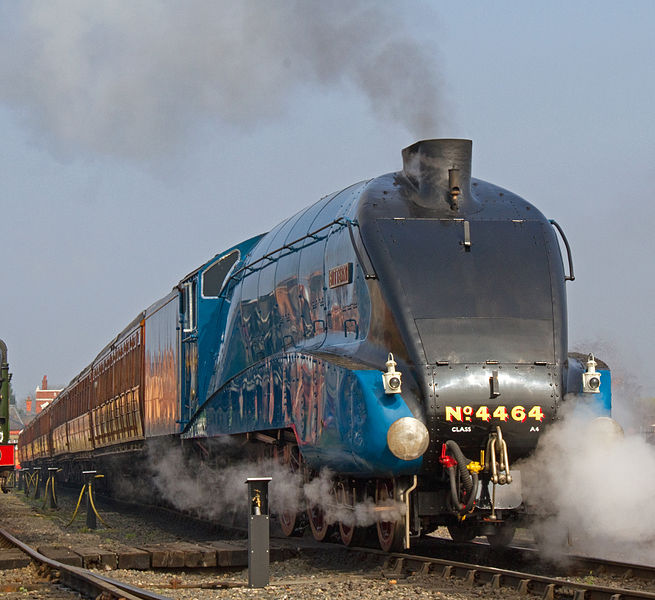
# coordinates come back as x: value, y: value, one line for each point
x: 138, y: 140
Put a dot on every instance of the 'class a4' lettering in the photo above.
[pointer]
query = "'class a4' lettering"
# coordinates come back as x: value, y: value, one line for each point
x: 461, y: 429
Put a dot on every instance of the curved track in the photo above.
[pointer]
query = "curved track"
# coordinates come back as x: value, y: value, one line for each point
x: 83, y: 581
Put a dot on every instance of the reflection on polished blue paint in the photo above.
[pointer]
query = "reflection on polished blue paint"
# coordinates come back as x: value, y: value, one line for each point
x: 340, y: 416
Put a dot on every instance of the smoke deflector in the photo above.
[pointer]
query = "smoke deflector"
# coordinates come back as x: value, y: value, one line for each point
x: 441, y: 172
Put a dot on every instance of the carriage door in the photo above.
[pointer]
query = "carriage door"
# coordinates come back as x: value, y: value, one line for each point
x: 189, y: 349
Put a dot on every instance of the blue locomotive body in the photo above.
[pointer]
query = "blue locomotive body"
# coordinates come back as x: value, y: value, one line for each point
x: 310, y: 312
x: 287, y: 355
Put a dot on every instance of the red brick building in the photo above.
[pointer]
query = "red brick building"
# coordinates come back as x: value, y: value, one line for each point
x: 42, y: 397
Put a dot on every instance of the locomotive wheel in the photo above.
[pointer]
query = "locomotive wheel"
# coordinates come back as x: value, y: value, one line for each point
x: 462, y: 533
x: 390, y: 533
x: 318, y: 524
x: 502, y: 537
x: 292, y: 522
x: 351, y: 535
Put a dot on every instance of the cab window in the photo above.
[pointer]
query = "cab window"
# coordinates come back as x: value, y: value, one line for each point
x: 214, y: 276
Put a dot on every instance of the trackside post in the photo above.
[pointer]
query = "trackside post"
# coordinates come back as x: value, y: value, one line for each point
x: 258, y: 532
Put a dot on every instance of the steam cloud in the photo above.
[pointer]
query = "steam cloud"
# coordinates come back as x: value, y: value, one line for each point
x: 596, y: 489
x: 131, y: 79
x: 219, y: 493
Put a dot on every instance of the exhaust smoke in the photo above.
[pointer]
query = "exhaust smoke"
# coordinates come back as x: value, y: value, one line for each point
x: 133, y: 79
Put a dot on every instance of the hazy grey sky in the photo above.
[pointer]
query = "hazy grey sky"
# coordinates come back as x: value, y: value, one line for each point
x: 140, y: 139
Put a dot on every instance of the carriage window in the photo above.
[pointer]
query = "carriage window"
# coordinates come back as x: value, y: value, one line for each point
x: 214, y: 276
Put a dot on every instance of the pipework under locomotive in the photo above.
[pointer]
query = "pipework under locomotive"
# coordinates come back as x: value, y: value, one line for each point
x: 408, y: 333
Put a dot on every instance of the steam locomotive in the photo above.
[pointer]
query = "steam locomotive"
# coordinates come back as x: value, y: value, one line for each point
x: 409, y: 333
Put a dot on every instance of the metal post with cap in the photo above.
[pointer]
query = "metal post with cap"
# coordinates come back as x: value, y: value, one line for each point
x: 258, y: 532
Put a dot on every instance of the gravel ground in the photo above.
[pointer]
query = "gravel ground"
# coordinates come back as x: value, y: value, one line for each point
x: 325, y: 572
x: 317, y: 574
x: 29, y: 584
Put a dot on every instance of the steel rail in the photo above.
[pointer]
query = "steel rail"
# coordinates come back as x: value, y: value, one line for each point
x: 576, y: 563
x: 399, y: 564
x: 474, y: 574
x: 83, y: 581
x: 611, y: 567
x: 571, y: 563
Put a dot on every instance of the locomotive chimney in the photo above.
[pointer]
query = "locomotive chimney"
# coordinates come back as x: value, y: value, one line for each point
x: 441, y: 172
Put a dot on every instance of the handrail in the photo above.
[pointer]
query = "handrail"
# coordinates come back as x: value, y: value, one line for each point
x: 363, y: 257
x: 570, y: 276
x: 289, y: 248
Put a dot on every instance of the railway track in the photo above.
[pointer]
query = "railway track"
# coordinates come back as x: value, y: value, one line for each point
x: 85, y: 582
x: 434, y: 564
x: 405, y: 566
x: 634, y: 578
x: 547, y: 588
x: 532, y: 559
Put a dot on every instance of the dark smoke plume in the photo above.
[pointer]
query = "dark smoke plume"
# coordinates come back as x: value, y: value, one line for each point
x: 132, y: 79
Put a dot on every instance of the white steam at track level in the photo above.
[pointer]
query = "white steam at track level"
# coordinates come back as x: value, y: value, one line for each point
x: 219, y: 493
x: 598, y: 490
x: 131, y: 79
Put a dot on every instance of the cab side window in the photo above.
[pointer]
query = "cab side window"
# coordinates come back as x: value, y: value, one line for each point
x: 214, y: 276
